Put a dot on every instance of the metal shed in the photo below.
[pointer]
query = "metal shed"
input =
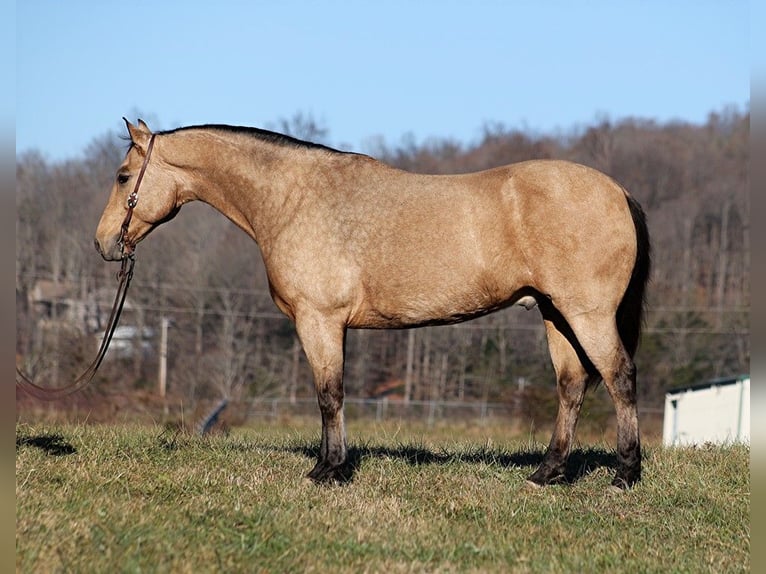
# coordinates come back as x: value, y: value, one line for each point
x: 716, y: 411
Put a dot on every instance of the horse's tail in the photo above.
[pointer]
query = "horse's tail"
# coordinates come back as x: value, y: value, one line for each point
x: 630, y: 313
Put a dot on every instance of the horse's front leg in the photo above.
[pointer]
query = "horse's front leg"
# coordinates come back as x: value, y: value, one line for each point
x: 323, y: 342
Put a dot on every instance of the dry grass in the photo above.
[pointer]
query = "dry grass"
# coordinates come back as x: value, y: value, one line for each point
x: 129, y: 498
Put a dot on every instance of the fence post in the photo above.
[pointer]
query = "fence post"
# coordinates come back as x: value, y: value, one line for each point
x: 431, y: 412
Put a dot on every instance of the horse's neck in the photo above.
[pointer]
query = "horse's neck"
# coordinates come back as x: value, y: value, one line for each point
x: 247, y: 181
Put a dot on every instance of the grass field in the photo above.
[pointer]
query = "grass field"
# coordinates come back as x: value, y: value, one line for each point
x: 145, y: 499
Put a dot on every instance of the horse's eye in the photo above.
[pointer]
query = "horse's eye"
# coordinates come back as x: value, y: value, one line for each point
x: 123, y: 178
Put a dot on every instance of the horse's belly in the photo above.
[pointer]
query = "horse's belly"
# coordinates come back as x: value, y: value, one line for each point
x: 434, y: 304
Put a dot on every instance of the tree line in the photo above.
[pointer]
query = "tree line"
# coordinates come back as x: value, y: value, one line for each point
x: 227, y: 339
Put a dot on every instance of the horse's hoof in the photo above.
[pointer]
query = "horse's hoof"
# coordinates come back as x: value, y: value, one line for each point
x: 532, y: 485
x: 328, y: 474
x: 544, y: 476
x: 313, y: 482
x: 621, y: 483
x: 626, y: 480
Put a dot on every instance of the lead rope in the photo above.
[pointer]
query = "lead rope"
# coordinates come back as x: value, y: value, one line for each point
x: 124, y: 277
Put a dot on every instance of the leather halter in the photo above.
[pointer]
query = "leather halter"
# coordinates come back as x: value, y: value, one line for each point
x: 126, y: 244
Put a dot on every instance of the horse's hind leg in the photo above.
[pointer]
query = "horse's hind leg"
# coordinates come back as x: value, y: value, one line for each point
x: 600, y: 339
x: 572, y: 379
x: 323, y: 343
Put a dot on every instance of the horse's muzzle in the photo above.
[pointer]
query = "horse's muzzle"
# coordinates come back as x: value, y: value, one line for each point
x: 109, y: 250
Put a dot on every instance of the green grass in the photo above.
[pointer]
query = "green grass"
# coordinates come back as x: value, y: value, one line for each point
x: 142, y: 499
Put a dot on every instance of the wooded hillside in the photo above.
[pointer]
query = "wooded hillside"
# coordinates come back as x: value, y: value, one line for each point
x: 227, y: 339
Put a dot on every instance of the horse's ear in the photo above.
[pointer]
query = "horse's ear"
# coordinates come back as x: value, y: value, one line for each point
x: 139, y: 134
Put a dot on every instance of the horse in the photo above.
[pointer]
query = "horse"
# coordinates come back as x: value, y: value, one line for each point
x: 350, y: 242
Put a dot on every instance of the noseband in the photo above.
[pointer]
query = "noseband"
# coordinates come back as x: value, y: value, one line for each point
x: 127, y: 248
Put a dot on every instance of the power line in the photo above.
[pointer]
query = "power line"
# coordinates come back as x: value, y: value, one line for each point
x: 211, y: 311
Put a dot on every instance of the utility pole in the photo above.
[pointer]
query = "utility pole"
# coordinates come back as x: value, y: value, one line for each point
x: 410, y: 366
x: 163, y: 357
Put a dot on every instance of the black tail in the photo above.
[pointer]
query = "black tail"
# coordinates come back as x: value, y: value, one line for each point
x: 630, y: 313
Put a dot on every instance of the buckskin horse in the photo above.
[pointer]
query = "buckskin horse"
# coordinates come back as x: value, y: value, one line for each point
x: 349, y: 242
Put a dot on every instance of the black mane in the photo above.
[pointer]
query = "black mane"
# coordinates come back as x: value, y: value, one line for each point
x: 258, y: 133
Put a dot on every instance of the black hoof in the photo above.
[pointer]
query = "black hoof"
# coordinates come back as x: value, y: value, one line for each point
x: 326, y: 473
x: 546, y: 475
x: 625, y: 480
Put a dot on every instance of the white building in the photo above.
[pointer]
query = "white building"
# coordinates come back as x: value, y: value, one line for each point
x: 716, y: 411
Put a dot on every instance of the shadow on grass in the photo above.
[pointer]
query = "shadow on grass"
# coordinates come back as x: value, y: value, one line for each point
x: 581, y: 463
x: 51, y: 444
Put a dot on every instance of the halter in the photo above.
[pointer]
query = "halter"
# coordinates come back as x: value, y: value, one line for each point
x: 127, y: 247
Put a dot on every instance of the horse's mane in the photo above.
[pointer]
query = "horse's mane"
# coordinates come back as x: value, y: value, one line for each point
x: 258, y: 133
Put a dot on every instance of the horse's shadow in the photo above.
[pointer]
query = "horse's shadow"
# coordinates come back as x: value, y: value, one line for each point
x: 581, y: 462
x: 51, y: 444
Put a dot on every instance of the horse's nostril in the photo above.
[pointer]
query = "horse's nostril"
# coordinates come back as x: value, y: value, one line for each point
x: 98, y: 246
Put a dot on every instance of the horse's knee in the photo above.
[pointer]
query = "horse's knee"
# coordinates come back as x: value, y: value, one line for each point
x: 330, y: 396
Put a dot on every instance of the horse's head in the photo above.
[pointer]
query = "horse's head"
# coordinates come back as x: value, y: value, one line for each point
x: 156, y: 202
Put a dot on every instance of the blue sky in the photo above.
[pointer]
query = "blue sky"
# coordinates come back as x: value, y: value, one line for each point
x: 371, y: 69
